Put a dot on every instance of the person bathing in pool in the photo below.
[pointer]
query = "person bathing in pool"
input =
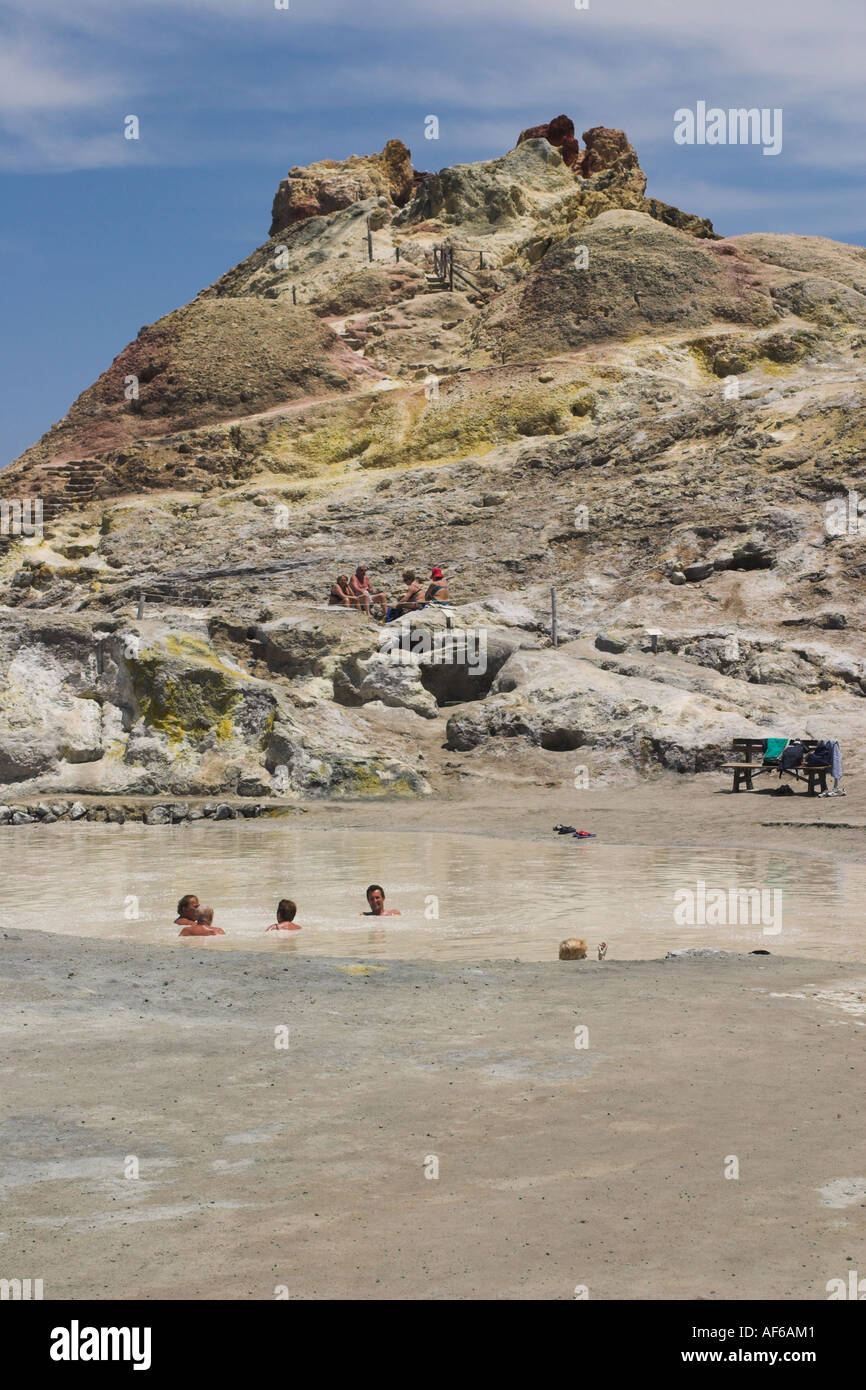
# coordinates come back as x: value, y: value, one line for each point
x: 202, y: 924
x: 376, y: 899
x: 286, y: 910
x: 186, y: 910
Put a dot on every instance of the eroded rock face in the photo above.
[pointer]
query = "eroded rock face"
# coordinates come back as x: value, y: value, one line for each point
x: 315, y: 190
x: 154, y: 709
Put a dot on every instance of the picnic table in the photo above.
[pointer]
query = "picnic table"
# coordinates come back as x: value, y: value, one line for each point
x: 748, y: 762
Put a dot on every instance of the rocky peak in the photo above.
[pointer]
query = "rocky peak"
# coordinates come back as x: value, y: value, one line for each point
x: 331, y: 185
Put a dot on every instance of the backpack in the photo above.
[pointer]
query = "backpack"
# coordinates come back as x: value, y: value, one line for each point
x: 791, y: 757
x: 821, y: 755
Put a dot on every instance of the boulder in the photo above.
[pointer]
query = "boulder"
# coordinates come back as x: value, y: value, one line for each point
x: 397, y: 683
x: 158, y: 815
x: 607, y: 642
x: 695, y: 573
x: 254, y: 786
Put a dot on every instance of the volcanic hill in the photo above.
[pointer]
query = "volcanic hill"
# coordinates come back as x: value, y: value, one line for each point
x: 522, y: 369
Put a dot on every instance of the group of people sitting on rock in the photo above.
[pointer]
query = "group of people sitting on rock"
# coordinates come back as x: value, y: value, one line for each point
x: 195, y: 920
x: 356, y: 591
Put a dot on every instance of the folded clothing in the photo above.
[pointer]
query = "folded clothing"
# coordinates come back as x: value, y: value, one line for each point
x: 773, y: 750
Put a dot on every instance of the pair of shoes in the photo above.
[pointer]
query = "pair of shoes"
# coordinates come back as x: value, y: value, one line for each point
x: 838, y: 791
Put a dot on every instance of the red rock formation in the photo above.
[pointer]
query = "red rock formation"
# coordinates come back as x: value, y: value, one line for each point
x: 558, y: 132
x: 605, y: 148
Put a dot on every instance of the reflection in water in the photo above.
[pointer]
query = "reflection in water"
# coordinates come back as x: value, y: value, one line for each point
x: 495, y: 898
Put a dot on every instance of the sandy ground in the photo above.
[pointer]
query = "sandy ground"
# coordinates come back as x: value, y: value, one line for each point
x: 515, y: 798
x: 668, y: 810
x: 303, y: 1167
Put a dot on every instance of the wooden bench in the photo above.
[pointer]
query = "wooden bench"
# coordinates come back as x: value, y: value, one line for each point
x: 746, y: 767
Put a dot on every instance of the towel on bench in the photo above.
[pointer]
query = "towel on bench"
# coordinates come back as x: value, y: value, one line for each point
x: 774, y: 748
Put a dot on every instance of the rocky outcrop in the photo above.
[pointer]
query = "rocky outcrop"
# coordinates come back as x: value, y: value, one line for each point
x: 560, y: 133
x: 102, y: 707
x: 316, y: 190
x: 605, y: 151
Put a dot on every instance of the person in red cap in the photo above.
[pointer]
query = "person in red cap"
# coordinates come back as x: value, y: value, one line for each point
x: 437, y: 590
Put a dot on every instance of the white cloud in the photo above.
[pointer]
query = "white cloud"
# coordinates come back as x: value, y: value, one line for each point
x: 33, y: 80
x: 627, y: 63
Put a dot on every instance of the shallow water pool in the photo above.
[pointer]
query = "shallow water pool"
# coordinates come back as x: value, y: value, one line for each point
x: 461, y: 897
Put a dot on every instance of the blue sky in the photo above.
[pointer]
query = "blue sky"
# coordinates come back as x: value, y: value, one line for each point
x: 99, y: 235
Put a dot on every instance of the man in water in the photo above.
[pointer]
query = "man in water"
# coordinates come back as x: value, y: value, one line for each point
x: 376, y: 899
x: 186, y: 910
x: 286, y: 910
x: 202, y: 925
